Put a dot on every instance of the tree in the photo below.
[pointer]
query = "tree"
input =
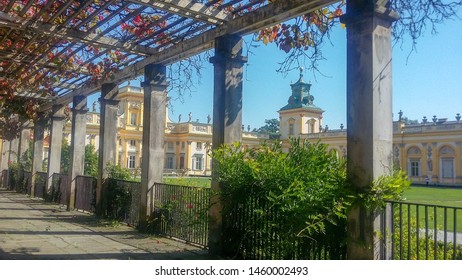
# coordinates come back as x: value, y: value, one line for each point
x: 65, y: 156
x: 91, y: 161
x: 271, y: 128
x: 302, y: 39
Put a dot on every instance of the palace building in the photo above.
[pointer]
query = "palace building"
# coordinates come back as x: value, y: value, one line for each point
x: 187, y: 143
x: 427, y: 149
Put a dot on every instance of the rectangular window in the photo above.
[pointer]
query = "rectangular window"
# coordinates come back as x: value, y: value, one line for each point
x: 447, y: 168
x: 182, y: 162
x: 131, y: 162
x: 414, y: 168
x: 198, y: 163
x: 291, y: 129
x: 133, y: 119
x: 199, y: 146
x: 132, y: 142
x: 170, y: 162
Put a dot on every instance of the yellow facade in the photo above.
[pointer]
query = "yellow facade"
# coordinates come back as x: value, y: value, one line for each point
x: 187, y: 144
x: 430, y: 149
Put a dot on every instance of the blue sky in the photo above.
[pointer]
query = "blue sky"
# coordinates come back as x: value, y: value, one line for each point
x: 426, y: 82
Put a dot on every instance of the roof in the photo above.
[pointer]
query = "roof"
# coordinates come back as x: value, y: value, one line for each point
x: 54, y: 50
x: 301, y: 97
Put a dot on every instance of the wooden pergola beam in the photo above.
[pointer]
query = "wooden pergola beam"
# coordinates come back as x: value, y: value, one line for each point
x: 81, y: 37
x: 188, y: 9
x: 254, y: 21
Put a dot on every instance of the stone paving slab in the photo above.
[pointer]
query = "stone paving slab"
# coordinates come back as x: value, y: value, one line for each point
x: 34, y: 229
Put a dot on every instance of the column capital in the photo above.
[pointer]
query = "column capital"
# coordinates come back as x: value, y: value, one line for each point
x: 228, y: 48
x: 360, y: 10
x: 217, y: 59
x: 57, y: 112
x: 155, y: 83
x: 109, y: 91
x: 109, y: 102
x: 79, y: 104
x: 155, y: 75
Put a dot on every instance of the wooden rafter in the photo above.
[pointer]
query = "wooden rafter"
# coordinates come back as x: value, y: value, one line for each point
x: 188, y: 9
x: 81, y: 37
x: 248, y: 23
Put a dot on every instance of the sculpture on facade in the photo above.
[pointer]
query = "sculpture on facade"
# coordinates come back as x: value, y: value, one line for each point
x: 429, y: 159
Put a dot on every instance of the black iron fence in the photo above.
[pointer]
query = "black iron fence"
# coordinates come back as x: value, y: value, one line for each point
x: 26, y: 185
x: 85, y: 193
x: 425, y: 231
x: 4, y: 179
x: 255, y: 230
x: 59, y: 188
x: 181, y: 212
x: 122, y: 200
x: 40, y: 188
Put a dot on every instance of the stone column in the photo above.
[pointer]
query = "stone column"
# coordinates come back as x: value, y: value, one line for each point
x: 37, y: 151
x: 369, y: 115
x: 56, y: 142
x: 155, y: 100
x: 24, y: 142
x: 77, y: 151
x: 227, y: 121
x: 5, y: 155
x: 107, y: 136
x: 188, y: 157
x: 14, y: 150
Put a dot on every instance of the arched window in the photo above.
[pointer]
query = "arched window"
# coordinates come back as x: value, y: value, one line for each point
x: 291, y: 122
x: 311, y: 123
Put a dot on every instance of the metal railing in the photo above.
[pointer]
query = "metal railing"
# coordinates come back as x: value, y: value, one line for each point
x: 425, y: 231
x: 4, y: 178
x: 40, y: 188
x: 85, y: 193
x: 181, y: 212
x: 122, y: 200
x: 59, y: 188
x: 256, y: 230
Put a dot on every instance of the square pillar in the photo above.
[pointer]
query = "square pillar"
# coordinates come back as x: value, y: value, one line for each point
x: 228, y: 65
x: 37, y: 150
x: 14, y: 150
x: 56, y: 142
x: 154, y: 114
x: 369, y: 116
x: 24, y: 142
x: 5, y: 155
x: 77, y: 151
x: 107, y: 136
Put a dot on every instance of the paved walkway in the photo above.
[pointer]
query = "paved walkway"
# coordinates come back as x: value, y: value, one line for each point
x: 34, y: 229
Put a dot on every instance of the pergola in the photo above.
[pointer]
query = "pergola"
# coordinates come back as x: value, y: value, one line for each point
x: 76, y: 48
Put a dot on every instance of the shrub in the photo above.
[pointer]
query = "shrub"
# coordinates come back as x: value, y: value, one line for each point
x: 294, y: 204
x: 291, y: 198
x: 117, y: 197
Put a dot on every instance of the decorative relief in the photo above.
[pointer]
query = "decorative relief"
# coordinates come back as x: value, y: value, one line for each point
x: 446, y: 150
x: 199, y: 128
x: 413, y: 151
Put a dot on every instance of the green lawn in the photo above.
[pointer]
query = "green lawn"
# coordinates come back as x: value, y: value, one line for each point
x: 203, y: 182
x: 434, y: 196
